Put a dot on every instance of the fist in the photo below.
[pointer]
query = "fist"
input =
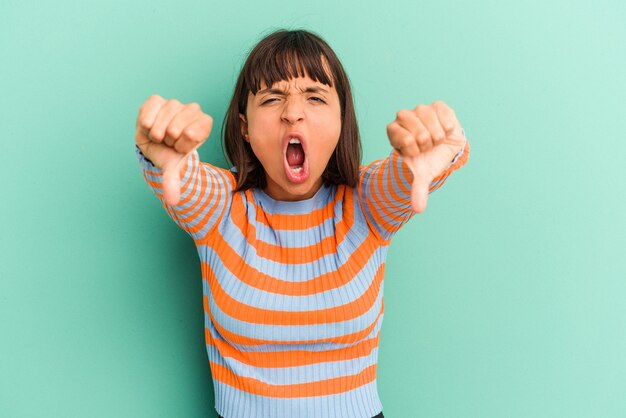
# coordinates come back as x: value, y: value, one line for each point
x: 428, y: 138
x: 167, y: 131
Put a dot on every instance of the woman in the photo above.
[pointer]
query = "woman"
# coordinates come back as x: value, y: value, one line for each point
x: 293, y: 239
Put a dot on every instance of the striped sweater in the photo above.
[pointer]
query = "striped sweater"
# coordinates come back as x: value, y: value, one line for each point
x: 293, y: 291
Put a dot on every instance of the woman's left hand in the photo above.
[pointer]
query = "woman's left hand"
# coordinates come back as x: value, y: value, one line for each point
x: 428, y: 138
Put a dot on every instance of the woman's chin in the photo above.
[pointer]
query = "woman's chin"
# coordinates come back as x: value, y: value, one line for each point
x: 292, y: 191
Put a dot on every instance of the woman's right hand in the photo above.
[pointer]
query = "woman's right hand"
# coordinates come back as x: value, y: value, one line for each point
x: 167, y: 131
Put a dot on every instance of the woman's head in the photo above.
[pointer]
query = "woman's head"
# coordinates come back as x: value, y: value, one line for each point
x: 292, y: 82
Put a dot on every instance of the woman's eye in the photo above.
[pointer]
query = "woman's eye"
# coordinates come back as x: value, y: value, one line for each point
x: 315, y: 99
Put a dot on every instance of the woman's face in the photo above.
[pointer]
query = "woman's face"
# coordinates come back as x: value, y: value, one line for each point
x: 291, y: 111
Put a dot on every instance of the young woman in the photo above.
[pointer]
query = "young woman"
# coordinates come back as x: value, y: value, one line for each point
x: 293, y: 239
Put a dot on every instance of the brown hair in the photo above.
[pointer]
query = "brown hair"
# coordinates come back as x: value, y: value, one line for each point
x: 283, y: 55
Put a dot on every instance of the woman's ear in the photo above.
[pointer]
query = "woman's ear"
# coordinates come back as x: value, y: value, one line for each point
x: 244, y: 127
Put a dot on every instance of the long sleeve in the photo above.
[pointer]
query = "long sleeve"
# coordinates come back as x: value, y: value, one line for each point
x: 205, y: 193
x: 385, y: 191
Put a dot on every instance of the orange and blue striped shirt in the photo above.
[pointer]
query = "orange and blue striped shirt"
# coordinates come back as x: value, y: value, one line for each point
x: 293, y: 291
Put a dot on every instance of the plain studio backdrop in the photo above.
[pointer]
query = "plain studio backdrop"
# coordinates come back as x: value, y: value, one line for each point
x: 506, y: 298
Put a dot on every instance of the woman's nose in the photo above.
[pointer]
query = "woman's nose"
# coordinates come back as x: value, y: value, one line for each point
x: 293, y: 111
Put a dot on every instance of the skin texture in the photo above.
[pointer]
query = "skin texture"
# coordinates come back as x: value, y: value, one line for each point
x: 270, y: 116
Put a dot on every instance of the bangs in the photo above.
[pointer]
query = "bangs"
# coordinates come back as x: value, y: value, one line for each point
x: 289, y: 57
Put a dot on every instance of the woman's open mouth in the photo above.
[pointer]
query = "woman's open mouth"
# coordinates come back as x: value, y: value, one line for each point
x: 296, y: 164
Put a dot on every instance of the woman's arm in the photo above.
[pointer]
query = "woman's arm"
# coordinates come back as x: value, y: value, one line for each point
x: 168, y: 134
x: 205, y: 193
x: 385, y: 191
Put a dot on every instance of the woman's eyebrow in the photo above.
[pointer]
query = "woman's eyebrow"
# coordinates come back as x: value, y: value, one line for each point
x: 310, y: 89
x: 314, y: 89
